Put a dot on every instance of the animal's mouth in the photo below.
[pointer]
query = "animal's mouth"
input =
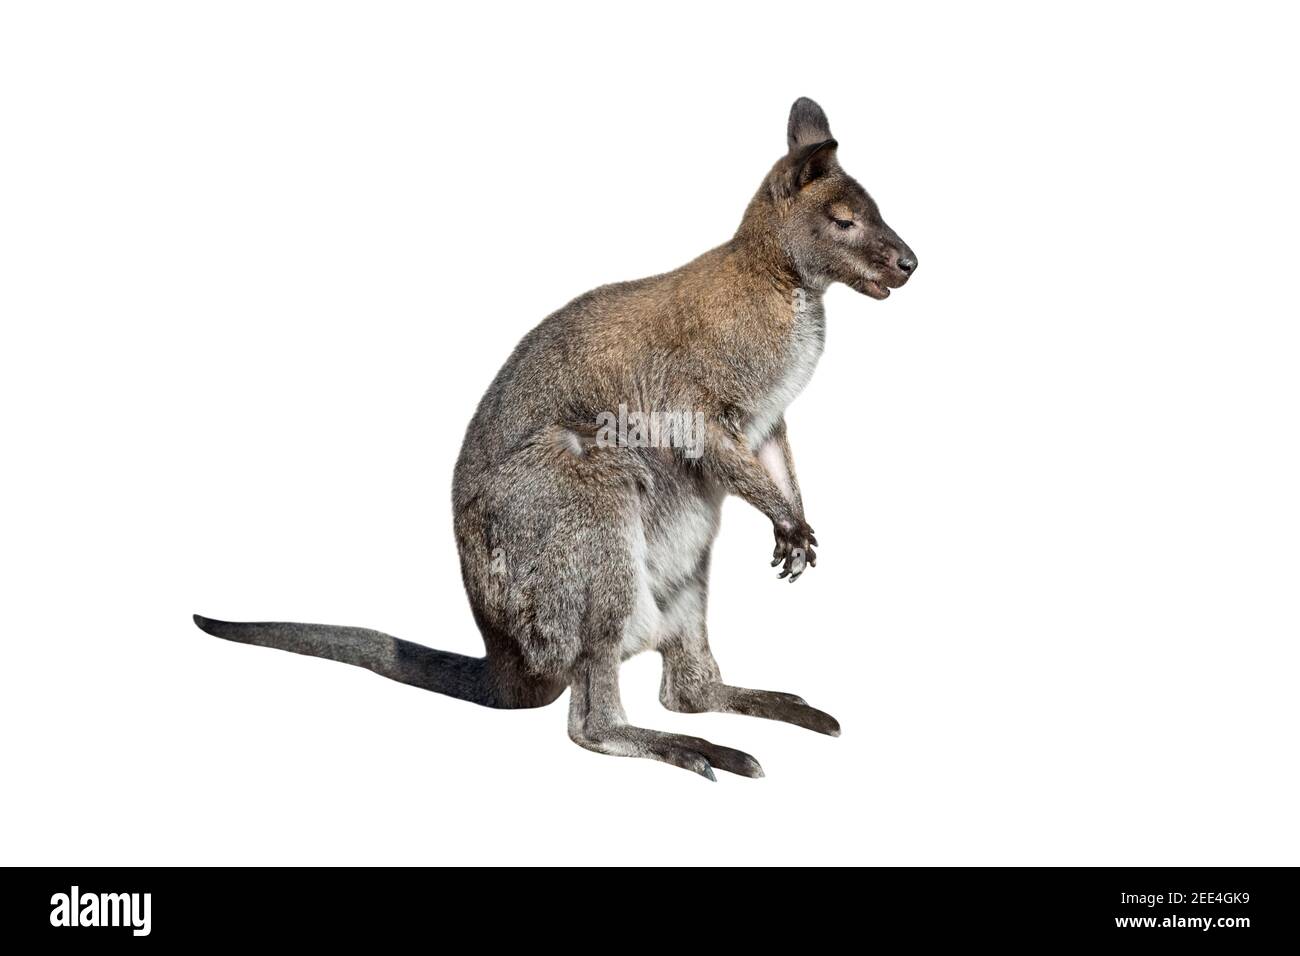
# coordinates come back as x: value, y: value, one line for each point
x: 875, y: 288
x: 879, y: 283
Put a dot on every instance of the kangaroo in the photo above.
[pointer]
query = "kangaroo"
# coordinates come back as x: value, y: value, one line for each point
x: 580, y: 547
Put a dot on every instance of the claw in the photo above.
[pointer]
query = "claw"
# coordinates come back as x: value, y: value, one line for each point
x: 794, y: 548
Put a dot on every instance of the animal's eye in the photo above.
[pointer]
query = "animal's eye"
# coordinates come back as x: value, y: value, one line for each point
x: 843, y: 223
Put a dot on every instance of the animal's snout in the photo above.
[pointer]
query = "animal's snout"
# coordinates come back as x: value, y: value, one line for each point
x: 906, y: 263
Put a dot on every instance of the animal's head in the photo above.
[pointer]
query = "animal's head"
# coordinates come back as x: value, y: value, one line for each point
x: 825, y: 222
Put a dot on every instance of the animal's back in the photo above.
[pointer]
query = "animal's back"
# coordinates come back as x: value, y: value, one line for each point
x: 623, y: 343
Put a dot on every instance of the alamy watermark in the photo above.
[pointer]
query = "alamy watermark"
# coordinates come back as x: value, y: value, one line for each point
x: 102, y: 909
x: 637, y: 429
x: 799, y: 302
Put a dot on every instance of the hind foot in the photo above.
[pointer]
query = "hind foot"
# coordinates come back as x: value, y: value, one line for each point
x: 690, y: 753
x: 769, y: 704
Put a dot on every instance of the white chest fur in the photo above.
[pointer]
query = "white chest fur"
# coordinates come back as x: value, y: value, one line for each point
x: 804, y: 346
x: 666, y: 558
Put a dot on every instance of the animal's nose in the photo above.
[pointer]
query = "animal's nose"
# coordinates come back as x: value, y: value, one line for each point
x: 907, y: 263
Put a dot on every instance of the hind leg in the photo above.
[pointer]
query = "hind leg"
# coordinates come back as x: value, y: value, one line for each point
x: 693, y: 684
x: 573, y: 597
x: 622, y: 618
x: 597, y: 722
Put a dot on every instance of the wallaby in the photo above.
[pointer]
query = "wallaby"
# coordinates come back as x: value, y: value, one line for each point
x: 580, y: 547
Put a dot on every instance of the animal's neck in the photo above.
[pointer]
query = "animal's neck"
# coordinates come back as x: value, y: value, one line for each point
x: 759, y: 246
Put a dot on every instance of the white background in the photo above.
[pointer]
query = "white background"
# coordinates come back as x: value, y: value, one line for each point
x: 261, y: 259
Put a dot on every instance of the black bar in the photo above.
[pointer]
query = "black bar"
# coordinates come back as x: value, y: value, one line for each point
x: 1220, y: 907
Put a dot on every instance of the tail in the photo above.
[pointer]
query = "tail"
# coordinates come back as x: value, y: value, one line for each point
x: 465, y: 678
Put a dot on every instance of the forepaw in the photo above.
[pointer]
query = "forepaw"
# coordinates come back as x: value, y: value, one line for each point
x: 794, y: 548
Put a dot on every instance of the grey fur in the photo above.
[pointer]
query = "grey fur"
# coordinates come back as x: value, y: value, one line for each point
x: 576, y: 554
x: 807, y: 125
x: 440, y: 671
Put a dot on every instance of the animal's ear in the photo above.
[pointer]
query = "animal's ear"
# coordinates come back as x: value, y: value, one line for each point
x: 808, y: 125
x: 814, y: 162
x: 803, y: 166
